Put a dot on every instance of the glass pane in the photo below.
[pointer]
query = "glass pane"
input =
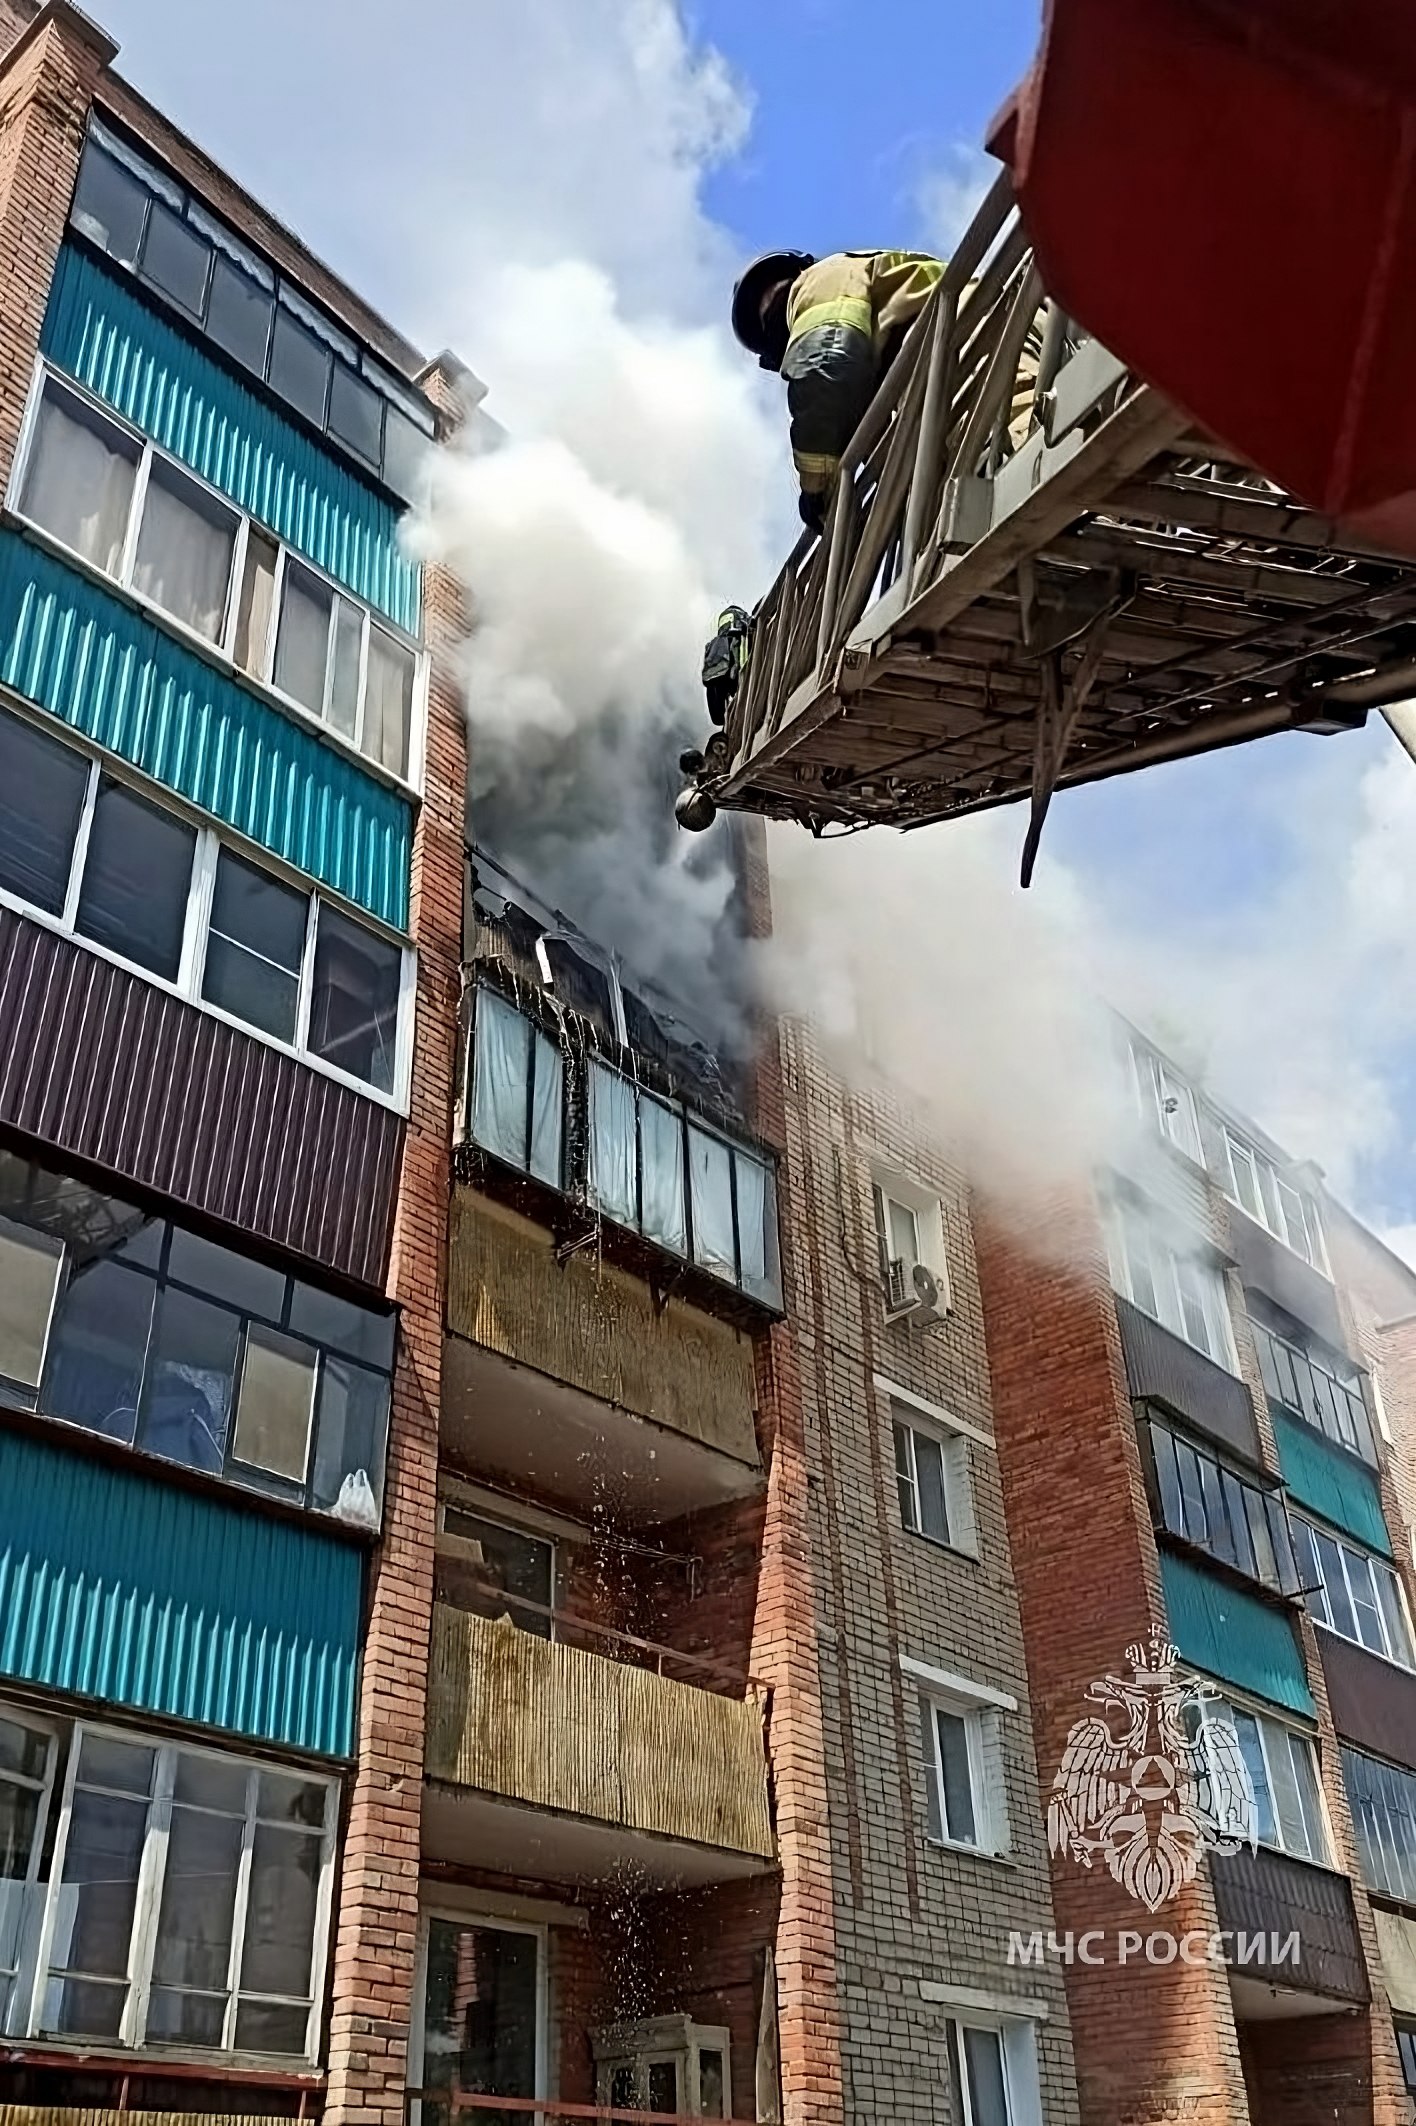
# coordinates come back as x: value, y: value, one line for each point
x: 95, y: 1368
x: 193, y: 1945
x: 223, y: 1274
x: 280, y: 1914
x: 958, y: 1786
x: 42, y: 786
x: 175, y: 259
x: 1246, y: 1727
x: 109, y: 206
x: 547, y: 1109
x: 238, y: 314
x: 23, y: 1750
x: 277, y: 1402
x: 210, y: 1783
x: 1220, y: 1541
x: 344, y: 679
x: 933, y: 1799
x: 302, y: 640
x: 1172, y: 1513
x: 197, y: 2019
x: 255, y: 946
x: 710, y: 1164
x: 187, y: 1405
x: 500, y: 1562
x: 1292, y: 1829
x: 902, y: 1233
x: 500, y: 1093
x: 29, y: 1272
x: 1305, y: 1778
x: 1335, y: 1585
x: 354, y: 1008
x: 933, y: 1511
x: 753, y: 1235
x: 1246, y: 1185
x: 356, y: 414
x: 405, y: 453
x: 136, y: 880
x: 905, y: 1478
x: 124, y: 1765
x: 299, y: 367
x: 712, y: 2090
x: 1393, y: 1615
x: 284, y: 1797
x: 663, y: 2086
x: 350, y: 1439
x: 1257, y: 1516
x: 988, y: 2090
x: 388, y: 702
x: 1364, y: 1602
x: 19, y: 1816
x: 480, y: 2010
x: 79, y: 479
x: 614, y: 1155
x: 360, y: 1332
x: 252, y: 646
x: 268, y: 2026
x: 93, y: 1913
x: 1192, y: 1499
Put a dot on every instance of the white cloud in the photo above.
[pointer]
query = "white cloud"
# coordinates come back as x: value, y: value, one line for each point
x: 949, y: 194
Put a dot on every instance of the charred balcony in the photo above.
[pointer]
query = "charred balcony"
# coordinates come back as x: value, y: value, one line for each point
x: 1036, y: 575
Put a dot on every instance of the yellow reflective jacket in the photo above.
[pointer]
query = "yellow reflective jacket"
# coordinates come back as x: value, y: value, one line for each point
x: 845, y: 317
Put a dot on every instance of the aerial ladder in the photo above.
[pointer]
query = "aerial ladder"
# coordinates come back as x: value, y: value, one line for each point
x: 1201, y: 247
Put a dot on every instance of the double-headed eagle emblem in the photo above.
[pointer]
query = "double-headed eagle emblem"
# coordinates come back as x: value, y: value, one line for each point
x: 1154, y: 1781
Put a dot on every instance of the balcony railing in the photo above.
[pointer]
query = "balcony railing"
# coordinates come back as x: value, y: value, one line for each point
x: 447, y: 2104
x: 553, y: 1726
x: 1035, y: 574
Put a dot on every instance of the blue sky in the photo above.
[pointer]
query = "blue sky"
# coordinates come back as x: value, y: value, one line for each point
x: 1268, y: 896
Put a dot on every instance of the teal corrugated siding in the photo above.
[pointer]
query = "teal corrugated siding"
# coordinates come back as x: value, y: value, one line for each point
x: 117, y: 1587
x: 128, y: 685
x: 1233, y: 1636
x: 101, y: 331
x: 1329, y: 1482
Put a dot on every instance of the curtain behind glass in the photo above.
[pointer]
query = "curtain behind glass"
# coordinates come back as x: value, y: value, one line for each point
x: 388, y: 702
x: 752, y: 1221
x: 184, y: 554
x: 665, y: 1218
x: 501, y: 1061
x: 79, y: 481
x: 711, y: 1181
x: 613, y: 1152
x: 302, y: 642
x: 547, y: 1107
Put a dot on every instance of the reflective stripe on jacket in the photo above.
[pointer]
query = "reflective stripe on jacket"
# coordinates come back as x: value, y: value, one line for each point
x: 842, y: 316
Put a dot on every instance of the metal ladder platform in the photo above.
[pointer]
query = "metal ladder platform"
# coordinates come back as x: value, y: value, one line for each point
x: 1036, y: 574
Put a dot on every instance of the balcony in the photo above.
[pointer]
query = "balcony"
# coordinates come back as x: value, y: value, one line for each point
x: 1264, y: 1892
x: 1373, y: 1702
x: 1161, y: 1367
x: 1269, y: 1266
x: 559, y: 1763
x: 564, y: 1373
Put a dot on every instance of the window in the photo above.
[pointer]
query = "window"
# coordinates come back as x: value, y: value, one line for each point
x: 140, y: 1331
x: 649, y: 1164
x: 1283, y: 1771
x: 172, y: 899
x: 1325, y: 1391
x: 963, y: 1774
x: 149, y: 224
x: 1181, y: 1289
x: 932, y: 1478
x: 1166, y: 1102
x: 1227, y: 1515
x: 1288, y: 1212
x: 493, y: 1571
x: 1355, y: 1594
x: 129, y: 510
x: 993, y: 2078
x: 186, y: 1904
x: 909, y: 1231
x: 1383, y: 1799
x: 27, y: 1751
x: 1406, y: 2047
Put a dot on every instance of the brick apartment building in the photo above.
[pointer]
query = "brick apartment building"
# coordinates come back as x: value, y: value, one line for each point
x: 1202, y: 1401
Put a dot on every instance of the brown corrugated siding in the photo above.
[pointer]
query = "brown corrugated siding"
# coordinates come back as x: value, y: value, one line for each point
x: 102, y: 1065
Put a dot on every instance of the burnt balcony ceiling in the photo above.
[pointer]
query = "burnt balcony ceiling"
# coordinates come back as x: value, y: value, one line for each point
x: 1036, y: 575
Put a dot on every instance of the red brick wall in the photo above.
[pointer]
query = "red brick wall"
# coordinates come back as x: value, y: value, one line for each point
x: 373, y: 1966
x: 1150, y: 2041
x: 1316, y: 2072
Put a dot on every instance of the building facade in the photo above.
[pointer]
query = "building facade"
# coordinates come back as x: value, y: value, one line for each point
x: 1192, y: 1375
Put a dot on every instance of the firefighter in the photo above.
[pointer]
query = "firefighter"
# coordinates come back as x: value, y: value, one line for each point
x: 831, y: 327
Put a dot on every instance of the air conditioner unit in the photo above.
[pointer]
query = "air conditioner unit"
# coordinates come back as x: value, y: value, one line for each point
x: 913, y: 1294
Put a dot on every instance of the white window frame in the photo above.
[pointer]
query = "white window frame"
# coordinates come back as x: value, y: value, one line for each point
x: 1267, y: 1724
x: 1347, y: 1550
x: 148, y: 1900
x: 1017, y: 2046
x: 926, y: 1207
x: 33, y: 1889
x: 980, y: 1707
x: 1273, y: 1214
x: 957, y: 1475
x: 221, y: 653
x: 1166, y: 1102
x: 196, y: 931
x: 473, y: 1914
x: 1126, y: 1220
